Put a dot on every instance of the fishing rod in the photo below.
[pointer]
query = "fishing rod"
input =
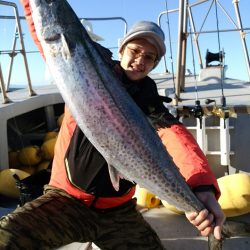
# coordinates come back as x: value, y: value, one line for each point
x: 222, y: 111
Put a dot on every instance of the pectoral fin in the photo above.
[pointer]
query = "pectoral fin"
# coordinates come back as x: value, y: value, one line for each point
x: 114, y: 177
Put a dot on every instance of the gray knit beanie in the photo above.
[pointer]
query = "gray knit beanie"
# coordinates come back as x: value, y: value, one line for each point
x: 149, y: 31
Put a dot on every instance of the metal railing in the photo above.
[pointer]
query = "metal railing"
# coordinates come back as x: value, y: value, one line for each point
x: 12, y: 53
x: 185, y: 12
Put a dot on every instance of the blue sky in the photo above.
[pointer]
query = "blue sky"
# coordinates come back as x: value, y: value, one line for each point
x: 134, y: 10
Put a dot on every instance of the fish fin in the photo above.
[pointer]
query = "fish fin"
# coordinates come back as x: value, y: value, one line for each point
x: 114, y: 177
x: 105, y: 53
x: 65, y: 48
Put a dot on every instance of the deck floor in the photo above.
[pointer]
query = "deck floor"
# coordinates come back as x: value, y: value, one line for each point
x: 236, y: 92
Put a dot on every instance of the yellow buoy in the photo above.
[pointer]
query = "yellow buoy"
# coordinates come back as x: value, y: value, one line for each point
x: 42, y: 165
x: 235, y: 194
x: 47, y: 149
x: 30, y: 155
x: 13, y: 159
x: 59, y: 120
x: 171, y: 207
x: 28, y: 169
x: 8, y: 183
x: 145, y: 198
x: 50, y: 135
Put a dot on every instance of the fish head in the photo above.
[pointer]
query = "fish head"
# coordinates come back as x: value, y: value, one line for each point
x: 55, y: 25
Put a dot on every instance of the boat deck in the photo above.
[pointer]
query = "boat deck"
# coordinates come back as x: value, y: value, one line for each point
x: 174, y: 230
x: 43, y: 95
x: 236, y: 92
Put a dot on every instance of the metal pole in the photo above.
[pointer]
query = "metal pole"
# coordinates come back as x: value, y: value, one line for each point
x: 184, y: 48
x: 31, y: 91
x: 242, y: 35
x: 19, y: 29
x: 201, y: 137
x: 5, y: 97
x: 164, y: 57
x: 12, y: 55
x: 224, y: 142
x: 179, y: 52
x: 195, y: 36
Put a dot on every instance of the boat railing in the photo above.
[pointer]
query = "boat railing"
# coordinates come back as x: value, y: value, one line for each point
x: 18, y: 34
x: 12, y: 53
x: 185, y: 13
x: 108, y: 19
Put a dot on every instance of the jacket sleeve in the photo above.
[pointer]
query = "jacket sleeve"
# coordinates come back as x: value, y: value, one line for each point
x: 188, y: 157
x: 27, y: 13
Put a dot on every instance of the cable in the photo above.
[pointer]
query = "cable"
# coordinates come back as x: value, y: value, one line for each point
x: 197, y: 111
x: 223, y: 100
x: 170, y: 46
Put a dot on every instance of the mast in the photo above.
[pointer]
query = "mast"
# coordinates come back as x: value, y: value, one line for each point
x: 181, y: 52
x: 242, y: 34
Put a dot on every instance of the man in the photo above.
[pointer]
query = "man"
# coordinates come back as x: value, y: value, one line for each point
x: 80, y: 203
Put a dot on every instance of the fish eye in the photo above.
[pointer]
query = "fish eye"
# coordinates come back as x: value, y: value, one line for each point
x: 53, y: 37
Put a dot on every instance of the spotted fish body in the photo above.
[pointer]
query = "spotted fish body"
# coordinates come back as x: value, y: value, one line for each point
x: 103, y: 109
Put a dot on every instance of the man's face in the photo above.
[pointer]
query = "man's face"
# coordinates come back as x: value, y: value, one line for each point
x: 138, y: 58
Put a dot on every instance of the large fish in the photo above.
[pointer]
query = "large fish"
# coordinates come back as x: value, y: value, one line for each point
x: 103, y: 109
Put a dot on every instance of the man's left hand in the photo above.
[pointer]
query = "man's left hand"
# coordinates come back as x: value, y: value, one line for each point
x: 209, y: 220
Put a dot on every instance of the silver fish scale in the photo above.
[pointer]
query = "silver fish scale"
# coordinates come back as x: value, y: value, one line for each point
x: 104, y: 110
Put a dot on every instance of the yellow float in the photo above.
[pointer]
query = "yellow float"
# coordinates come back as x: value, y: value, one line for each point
x: 145, y: 198
x: 8, y: 183
x: 28, y: 169
x: 13, y: 159
x: 42, y: 165
x: 30, y: 155
x: 171, y: 207
x: 47, y: 149
x: 235, y: 194
x: 59, y: 120
x: 50, y: 135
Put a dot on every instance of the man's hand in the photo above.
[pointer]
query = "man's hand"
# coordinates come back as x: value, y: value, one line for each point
x: 209, y: 220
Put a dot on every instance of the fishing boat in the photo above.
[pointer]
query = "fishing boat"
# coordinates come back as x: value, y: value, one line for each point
x: 214, y: 107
